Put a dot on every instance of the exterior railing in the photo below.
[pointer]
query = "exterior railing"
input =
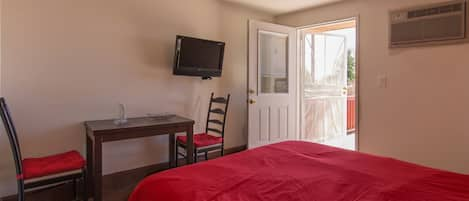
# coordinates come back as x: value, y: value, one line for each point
x: 351, y: 114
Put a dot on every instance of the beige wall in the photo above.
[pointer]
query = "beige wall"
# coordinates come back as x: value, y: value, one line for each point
x: 67, y: 61
x: 423, y: 115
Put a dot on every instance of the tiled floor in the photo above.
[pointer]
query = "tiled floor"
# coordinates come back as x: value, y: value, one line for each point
x: 121, y: 192
x: 345, y: 142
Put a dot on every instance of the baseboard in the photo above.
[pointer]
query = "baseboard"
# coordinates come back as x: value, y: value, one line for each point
x: 110, y: 181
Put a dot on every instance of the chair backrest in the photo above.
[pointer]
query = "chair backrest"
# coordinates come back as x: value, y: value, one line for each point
x: 11, y: 132
x: 214, y: 108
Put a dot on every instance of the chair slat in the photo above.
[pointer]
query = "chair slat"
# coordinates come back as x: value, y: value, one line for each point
x: 222, y: 107
x: 216, y: 121
x: 218, y: 111
x: 214, y: 130
x: 219, y: 100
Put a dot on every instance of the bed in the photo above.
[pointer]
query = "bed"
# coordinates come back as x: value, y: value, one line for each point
x: 302, y: 171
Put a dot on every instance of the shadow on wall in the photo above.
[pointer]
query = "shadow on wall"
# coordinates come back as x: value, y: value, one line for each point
x: 234, y: 23
x: 7, y: 165
x: 151, y: 46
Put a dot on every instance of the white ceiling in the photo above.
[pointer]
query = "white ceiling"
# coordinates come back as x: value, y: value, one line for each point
x: 278, y: 7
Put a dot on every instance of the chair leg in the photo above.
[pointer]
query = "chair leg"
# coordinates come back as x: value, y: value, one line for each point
x: 85, y: 188
x: 195, y: 156
x: 74, y: 184
x: 206, y: 155
x: 20, y: 190
x: 177, y: 154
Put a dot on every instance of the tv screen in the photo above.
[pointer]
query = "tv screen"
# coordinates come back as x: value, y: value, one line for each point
x: 198, y: 57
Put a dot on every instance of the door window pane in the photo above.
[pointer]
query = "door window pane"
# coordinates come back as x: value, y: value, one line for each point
x: 273, y: 63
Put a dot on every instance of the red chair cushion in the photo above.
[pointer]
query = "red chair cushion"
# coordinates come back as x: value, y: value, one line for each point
x: 60, y: 163
x: 202, y: 140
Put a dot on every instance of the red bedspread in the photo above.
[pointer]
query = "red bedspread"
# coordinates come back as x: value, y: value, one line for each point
x: 294, y: 171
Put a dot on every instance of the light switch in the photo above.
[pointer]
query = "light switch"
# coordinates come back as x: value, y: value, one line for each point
x: 382, y: 81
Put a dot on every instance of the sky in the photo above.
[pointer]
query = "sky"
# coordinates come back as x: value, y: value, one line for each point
x: 350, y: 35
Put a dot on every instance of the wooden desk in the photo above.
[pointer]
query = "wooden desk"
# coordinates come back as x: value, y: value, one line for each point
x: 99, y: 132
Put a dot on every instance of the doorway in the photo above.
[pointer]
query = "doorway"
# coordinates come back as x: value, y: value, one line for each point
x: 328, y: 83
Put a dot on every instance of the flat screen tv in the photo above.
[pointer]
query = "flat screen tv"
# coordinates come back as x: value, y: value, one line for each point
x: 198, y: 57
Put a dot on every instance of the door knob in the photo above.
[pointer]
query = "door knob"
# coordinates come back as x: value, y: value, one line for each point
x: 251, y: 91
x: 251, y: 101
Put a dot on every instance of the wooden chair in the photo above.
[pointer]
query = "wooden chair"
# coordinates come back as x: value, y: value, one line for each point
x: 213, y: 138
x: 34, y: 173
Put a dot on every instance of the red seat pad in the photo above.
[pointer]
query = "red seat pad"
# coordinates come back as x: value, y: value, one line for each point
x: 302, y: 171
x: 202, y: 140
x: 59, y: 163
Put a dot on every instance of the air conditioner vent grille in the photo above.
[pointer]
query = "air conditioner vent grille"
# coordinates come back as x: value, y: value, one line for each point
x: 435, y: 11
x: 439, y: 23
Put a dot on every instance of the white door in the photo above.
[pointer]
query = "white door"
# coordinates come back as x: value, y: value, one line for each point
x: 324, y: 103
x: 272, y: 88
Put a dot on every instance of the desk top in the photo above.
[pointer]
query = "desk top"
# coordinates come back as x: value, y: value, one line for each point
x: 138, y: 122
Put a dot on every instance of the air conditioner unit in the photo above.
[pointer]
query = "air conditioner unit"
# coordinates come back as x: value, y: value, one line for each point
x: 433, y: 24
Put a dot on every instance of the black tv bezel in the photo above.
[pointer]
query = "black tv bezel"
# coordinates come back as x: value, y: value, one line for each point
x: 193, y: 71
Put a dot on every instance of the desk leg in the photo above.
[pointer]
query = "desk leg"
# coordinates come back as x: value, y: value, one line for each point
x: 97, y: 170
x: 172, y: 149
x: 190, y: 145
x: 89, y: 165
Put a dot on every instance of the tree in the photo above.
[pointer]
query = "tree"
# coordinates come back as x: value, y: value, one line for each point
x: 350, y: 66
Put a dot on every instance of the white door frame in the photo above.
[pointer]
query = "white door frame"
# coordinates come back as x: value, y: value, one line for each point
x: 357, y: 71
